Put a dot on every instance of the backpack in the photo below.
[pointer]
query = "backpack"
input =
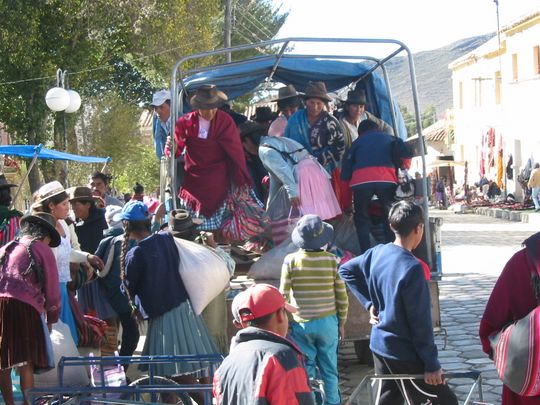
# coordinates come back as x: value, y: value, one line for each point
x: 516, y: 348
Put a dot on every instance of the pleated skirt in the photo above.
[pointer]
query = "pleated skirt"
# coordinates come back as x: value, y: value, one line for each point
x: 22, y: 338
x: 315, y: 190
x: 178, y: 332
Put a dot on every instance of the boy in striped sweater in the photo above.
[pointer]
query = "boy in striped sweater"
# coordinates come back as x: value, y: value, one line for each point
x: 310, y: 281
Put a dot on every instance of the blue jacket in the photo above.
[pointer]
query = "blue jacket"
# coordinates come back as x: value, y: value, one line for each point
x: 152, y: 274
x: 370, y: 160
x: 391, y: 278
x: 280, y: 156
x: 160, y: 135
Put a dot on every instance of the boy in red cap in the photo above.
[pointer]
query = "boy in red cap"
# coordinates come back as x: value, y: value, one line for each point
x: 263, y: 352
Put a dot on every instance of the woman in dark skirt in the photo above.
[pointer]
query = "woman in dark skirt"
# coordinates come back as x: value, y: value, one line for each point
x: 29, y: 301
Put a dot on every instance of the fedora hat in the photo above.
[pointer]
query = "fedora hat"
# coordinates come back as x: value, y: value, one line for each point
x: 181, y: 224
x: 250, y: 128
x: 207, y: 97
x: 4, y: 183
x: 49, y: 190
x: 48, y: 222
x: 311, y: 232
x: 263, y: 114
x: 356, y: 97
x: 287, y: 92
x: 316, y: 90
x: 80, y: 194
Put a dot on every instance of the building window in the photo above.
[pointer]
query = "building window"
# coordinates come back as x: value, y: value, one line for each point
x: 460, y: 95
x: 498, y: 79
x: 536, y: 51
x: 514, y: 66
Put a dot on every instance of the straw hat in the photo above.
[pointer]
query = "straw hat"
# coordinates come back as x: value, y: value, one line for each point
x: 207, y: 97
x: 49, y: 190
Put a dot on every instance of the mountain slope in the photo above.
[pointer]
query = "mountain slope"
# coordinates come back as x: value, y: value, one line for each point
x: 433, y: 78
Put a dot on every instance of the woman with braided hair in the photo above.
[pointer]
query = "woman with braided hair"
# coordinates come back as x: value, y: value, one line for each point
x: 150, y: 273
x: 29, y: 297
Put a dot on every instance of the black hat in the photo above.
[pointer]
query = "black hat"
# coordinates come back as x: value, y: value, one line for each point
x: 263, y: 114
x: 48, y: 222
x: 356, y: 97
x: 83, y: 194
x: 4, y: 183
x: 207, y: 97
x: 181, y: 224
x: 287, y: 92
x: 316, y: 90
x: 250, y: 128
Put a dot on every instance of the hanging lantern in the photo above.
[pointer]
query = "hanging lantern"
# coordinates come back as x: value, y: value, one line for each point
x: 74, y: 101
x: 57, y: 99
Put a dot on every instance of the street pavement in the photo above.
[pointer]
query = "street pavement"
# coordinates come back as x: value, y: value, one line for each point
x: 474, y: 249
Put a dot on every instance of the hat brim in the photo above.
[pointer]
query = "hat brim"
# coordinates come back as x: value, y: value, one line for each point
x: 84, y: 199
x: 7, y: 185
x: 297, y: 96
x: 208, y: 104
x: 41, y: 200
x: 55, y: 235
x: 319, y: 96
x: 325, y: 237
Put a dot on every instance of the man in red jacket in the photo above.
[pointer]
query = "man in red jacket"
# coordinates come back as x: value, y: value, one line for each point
x: 275, y: 364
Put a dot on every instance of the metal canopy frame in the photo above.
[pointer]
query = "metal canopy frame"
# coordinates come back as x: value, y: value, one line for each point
x: 282, y: 46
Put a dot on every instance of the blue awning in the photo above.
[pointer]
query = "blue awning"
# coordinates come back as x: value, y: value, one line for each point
x: 237, y: 79
x: 29, y: 151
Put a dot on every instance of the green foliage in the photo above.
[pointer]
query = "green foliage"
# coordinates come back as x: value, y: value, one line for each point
x: 428, y: 117
x: 113, y: 131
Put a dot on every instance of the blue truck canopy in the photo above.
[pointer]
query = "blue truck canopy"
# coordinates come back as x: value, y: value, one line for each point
x: 237, y: 79
x: 29, y: 151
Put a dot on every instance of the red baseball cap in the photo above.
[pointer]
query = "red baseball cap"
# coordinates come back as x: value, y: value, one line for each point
x: 260, y: 300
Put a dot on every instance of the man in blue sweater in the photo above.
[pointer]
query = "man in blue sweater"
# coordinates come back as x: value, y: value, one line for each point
x: 389, y: 282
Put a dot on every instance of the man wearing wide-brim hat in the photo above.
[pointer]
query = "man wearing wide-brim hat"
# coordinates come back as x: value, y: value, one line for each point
x: 288, y: 102
x: 214, y: 157
x: 354, y: 112
x: 316, y: 129
x: 9, y: 218
x: 263, y: 115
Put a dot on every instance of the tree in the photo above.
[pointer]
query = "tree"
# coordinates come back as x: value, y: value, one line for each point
x: 429, y: 116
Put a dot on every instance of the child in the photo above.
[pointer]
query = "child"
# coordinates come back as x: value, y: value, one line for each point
x: 29, y: 289
x: 310, y: 281
x: 389, y: 282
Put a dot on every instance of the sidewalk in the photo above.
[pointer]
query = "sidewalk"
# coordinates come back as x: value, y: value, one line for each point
x: 474, y: 251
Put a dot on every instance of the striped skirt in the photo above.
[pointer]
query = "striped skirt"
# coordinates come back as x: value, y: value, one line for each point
x: 178, y: 332
x: 22, y: 338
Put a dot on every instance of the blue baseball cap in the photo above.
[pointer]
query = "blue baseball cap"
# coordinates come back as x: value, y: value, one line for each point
x: 133, y: 211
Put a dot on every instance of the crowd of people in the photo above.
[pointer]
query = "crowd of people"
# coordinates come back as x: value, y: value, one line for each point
x: 81, y: 252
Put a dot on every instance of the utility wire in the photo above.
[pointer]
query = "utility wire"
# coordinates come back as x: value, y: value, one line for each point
x: 99, y: 67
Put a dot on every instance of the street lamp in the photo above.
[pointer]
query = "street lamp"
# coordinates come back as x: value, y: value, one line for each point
x: 59, y: 99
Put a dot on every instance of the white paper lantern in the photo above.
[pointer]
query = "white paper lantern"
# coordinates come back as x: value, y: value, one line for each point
x: 74, y: 101
x: 57, y: 99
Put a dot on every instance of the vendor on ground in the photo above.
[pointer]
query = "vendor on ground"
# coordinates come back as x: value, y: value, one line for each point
x: 288, y: 102
x: 214, y: 157
x: 317, y: 130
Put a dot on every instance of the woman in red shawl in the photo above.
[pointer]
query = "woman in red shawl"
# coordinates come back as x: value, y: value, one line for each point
x: 214, y: 157
x: 513, y: 297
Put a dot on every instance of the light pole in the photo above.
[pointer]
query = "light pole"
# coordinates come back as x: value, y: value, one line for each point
x: 68, y: 101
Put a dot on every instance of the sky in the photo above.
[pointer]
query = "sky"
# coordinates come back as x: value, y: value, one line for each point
x: 420, y: 24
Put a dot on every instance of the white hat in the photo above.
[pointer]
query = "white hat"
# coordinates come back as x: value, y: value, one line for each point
x: 110, y: 212
x: 160, y: 97
x: 49, y: 190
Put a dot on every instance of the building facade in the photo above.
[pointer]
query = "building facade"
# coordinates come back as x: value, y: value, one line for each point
x: 496, y: 93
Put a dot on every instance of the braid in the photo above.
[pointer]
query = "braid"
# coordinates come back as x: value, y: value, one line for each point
x: 123, y: 252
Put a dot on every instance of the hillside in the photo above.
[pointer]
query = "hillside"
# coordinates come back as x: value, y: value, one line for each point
x: 434, y: 79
